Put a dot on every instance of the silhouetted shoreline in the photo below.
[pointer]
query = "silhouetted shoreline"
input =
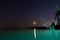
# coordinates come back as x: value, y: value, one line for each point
x: 57, y: 27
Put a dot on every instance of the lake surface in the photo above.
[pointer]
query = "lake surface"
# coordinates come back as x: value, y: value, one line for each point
x: 29, y: 35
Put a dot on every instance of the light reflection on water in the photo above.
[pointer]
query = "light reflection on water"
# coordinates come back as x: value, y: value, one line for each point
x: 29, y: 35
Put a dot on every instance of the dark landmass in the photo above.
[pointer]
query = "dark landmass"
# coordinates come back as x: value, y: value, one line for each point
x: 57, y: 27
x: 38, y: 28
x: 20, y: 28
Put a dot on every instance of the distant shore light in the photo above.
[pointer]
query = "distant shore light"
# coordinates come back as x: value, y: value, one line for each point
x: 34, y: 23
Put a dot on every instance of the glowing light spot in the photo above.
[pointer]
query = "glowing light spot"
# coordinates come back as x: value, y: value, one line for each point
x: 34, y: 22
x: 34, y: 33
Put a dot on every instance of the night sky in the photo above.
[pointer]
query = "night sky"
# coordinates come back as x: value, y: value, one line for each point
x: 24, y: 12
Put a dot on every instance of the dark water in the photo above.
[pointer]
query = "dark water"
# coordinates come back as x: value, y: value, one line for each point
x: 29, y: 35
